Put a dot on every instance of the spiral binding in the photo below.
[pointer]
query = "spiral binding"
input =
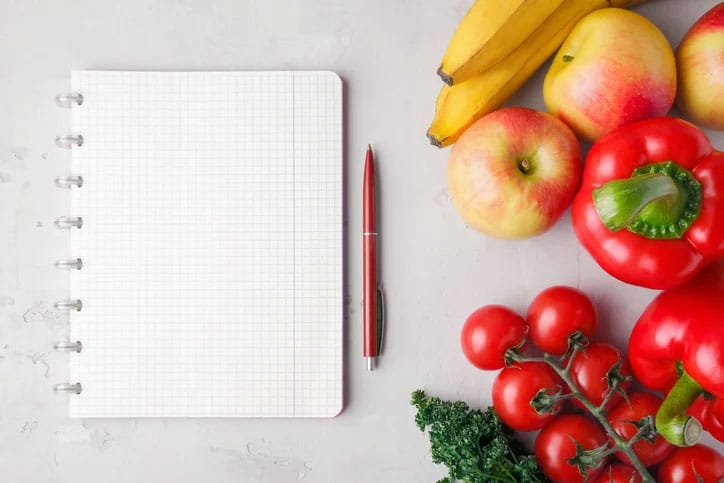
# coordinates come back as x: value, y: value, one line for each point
x: 69, y: 141
x: 68, y: 181
x: 68, y: 305
x: 68, y: 387
x: 68, y: 99
x: 68, y: 346
x: 69, y: 263
x: 67, y: 222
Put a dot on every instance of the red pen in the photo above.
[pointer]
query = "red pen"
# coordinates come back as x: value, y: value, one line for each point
x: 373, y: 317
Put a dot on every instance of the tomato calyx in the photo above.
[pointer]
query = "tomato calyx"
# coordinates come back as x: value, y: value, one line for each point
x: 577, y: 342
x: 545, y: 403
x: 513, y: 354
x: 615, y: 380
x: 586, y: 459
x: 646, y: 429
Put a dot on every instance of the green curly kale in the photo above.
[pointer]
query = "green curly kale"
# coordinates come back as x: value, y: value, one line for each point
x: 475, y: 446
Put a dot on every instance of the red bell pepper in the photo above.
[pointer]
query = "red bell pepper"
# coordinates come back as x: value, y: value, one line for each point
x: 651, y: 202
x: 710, y: 414
x: 677, y: 345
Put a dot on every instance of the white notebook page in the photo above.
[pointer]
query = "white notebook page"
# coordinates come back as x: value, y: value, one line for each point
x: 211, y: 244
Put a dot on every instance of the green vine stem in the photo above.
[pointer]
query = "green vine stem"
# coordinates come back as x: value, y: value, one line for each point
x: 625, y: 447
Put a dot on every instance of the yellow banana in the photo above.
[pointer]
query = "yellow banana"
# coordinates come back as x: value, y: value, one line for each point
x: 460, y: 105
x: 493, y: 29
x: 488, y: 33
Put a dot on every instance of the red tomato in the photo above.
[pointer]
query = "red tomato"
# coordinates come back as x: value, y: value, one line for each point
x: 694, y: 464
x: 639, y: 404
x: 618, y: 473
x: 555, y: 314
x: 556, y: 445
x: 516, y: 386
x: 488, y: 333
x: 589, y: 370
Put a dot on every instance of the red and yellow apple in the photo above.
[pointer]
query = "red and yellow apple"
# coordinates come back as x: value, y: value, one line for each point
x: 615, y: 67
x: 513, y: 172
x: 700, y: 64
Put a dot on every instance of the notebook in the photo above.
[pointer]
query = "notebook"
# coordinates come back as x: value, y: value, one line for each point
x: 210, y: 244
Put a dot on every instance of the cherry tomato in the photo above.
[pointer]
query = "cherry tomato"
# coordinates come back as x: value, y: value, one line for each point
x: 693, y: 464
x: 589, y: 369
x: 555, y: 314
x: 516, y: 386
x: 639, y: 404
x: 618, y: 473
x: 488, y: 333
x: 556, y: 445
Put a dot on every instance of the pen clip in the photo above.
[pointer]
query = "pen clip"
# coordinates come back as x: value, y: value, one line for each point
x: 380, y: 318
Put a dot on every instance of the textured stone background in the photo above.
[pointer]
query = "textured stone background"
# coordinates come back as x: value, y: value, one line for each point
x: 435, y: 271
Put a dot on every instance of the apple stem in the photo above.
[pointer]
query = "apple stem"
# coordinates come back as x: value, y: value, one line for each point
x: 524, y: 165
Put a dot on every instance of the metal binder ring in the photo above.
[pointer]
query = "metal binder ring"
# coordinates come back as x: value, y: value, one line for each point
x: 68, y: 99
x: 75, y: 263
x: 67, y: 222
x: 69, y: 305
x: 68, y: 387
x: 68, y: 181
x: 68, y: 346
x: 69, y: 140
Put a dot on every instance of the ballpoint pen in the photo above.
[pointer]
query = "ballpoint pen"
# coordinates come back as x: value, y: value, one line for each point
x: 373, y: 317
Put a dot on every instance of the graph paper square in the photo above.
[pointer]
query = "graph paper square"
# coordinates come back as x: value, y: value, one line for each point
x: 211, y: 244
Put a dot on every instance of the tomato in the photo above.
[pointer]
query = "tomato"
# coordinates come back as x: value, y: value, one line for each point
x: 516, y: 386
x: 618, y: 473
x: 693, y: 464
x: 555, y: 314
x: 488, y: 333
x: 589, y: 370
x: 556, y: 445
x: 639, y: 404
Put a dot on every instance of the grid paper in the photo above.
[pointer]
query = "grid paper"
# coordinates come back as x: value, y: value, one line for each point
x: 211, y: 244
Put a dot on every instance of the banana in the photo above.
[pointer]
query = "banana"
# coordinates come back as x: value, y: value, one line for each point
x: 460, y: 105
x: 488, y: 33
x: 493, y: 29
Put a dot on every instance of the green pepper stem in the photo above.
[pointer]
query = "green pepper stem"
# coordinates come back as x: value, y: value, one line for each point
x: 672, y: 422
x: 659, y: 201
x: 620, y: 201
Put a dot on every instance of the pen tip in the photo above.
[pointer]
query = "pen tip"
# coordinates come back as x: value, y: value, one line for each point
x: 369, y: 147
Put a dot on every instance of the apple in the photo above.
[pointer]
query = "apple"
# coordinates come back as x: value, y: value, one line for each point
x: 513, y: 172
x: 700, y: 63
x: 615, y: 67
